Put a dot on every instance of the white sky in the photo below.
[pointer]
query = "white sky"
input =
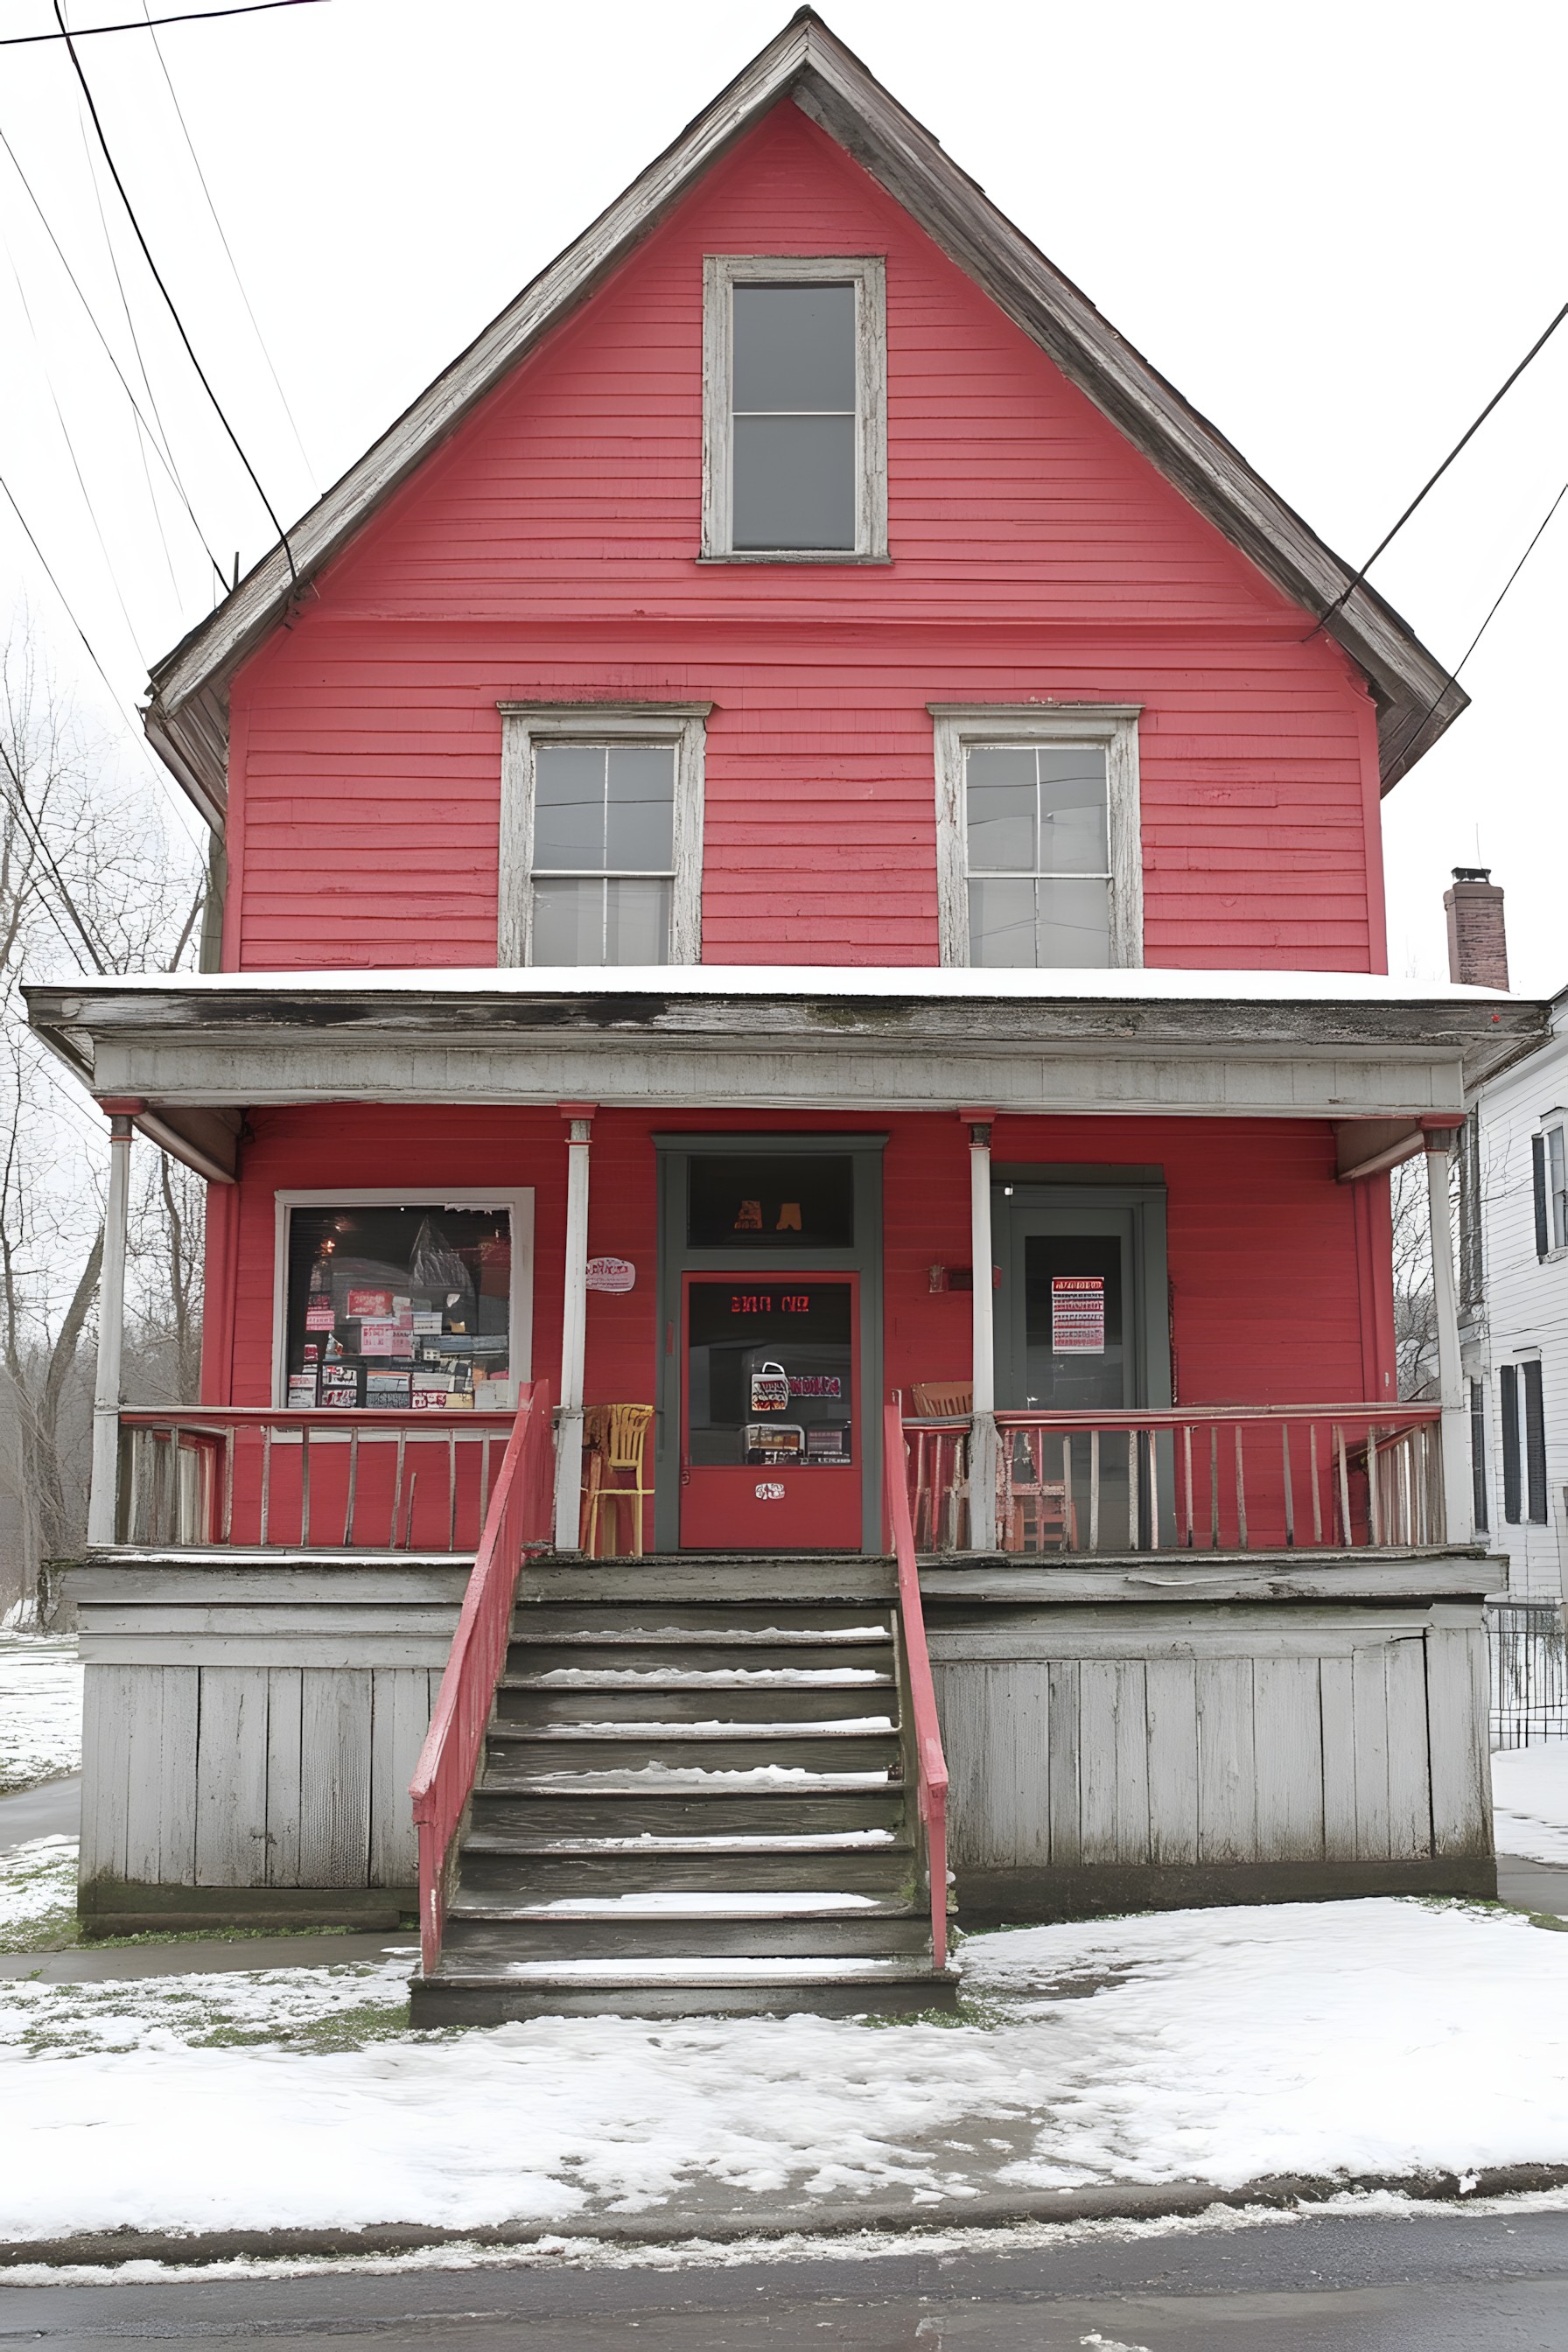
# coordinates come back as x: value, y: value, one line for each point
x: 1336, y: 230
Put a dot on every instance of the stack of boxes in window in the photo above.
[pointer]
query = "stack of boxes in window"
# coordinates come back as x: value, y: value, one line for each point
x: 390, y: 1312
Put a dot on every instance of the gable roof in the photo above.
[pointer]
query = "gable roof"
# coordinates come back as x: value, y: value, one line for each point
x: 187, y: 719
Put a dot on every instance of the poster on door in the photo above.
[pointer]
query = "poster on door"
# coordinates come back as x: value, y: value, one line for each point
x: 1078, y: 1315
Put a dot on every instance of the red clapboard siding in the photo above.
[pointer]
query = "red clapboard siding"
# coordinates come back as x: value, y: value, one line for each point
x: 1254, y: 1230
x: 549, y: 550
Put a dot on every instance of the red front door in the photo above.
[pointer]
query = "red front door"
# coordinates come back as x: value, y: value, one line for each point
x: 770, y: 1431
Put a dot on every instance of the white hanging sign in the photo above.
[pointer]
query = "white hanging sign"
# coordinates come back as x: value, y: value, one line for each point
x: 770, y: 1389
x: 611, y: 1274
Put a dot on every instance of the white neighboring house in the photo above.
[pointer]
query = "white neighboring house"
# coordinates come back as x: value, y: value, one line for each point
x: 1514, y: 1275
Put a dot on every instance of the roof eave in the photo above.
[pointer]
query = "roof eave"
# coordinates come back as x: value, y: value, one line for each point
x: 1415, y: 699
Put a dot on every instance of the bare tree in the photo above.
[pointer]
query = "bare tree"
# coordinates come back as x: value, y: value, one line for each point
x: 1414, y: 1305
x: 87, y: 880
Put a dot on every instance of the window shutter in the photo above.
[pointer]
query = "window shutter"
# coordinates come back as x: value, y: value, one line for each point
x: 1479, y: 1452
x: 1538, y: 1171
x: 1507, y: 1389
x: 1535, y: 1442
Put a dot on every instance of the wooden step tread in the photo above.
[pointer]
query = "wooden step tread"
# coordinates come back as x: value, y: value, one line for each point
x: 709, y: 1637
x: 562, y: 1684
x: 556, y: 1735
x: 692, y: 1972
x: 686, y: 1910
x: 652, y: 1847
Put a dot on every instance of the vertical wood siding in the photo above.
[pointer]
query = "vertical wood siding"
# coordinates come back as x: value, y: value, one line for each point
x: 550, y: 550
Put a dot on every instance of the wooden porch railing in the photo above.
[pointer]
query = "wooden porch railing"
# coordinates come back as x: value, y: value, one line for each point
x: 1192, y: 1477
x: 520, y: 1520
x: 215, y: 1475
x: 929, y: 1762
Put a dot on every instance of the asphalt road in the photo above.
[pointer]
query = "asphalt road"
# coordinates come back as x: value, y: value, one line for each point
x: 1431, y: 2284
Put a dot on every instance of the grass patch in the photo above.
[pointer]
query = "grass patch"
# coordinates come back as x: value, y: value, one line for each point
x: 345, y: 2029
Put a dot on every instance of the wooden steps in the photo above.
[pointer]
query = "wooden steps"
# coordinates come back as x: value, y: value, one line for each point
x: 691, y: 1801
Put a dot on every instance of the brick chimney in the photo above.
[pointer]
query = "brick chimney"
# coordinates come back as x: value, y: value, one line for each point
x: 1478, y: 942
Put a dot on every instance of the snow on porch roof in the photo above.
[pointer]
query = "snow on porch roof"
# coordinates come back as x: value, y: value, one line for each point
x: 187, y: 719
x: 969, y: 983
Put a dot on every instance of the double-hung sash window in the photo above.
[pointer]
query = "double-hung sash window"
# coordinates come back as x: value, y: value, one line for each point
x: 601, y: 834
x: 795, y: 431
x: 1549, y: 1160
x: 1038, y: 858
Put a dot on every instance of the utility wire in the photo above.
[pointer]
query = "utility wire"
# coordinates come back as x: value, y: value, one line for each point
x: 76, y: 465
x: 163, y: 452
x: 1352, y: 585
x: 135, y: 342
x: 20, y: 802
x: 233, y: 266
x: 187, y: 16
x: 135, y: 729
x: 1408, y: 752
x: 173, y: 313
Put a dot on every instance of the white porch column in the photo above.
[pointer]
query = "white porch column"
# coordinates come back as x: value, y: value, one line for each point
x: 104, y: 1491
x: 983, y: 1438
x: 1458, y: 1492
x: 573, y: 1330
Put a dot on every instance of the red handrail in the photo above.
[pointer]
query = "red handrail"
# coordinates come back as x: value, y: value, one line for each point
x: 930, y: 1763
x: 520, y: 1520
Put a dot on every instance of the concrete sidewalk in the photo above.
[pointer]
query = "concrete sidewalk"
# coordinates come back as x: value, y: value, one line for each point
x: 51, y: 1809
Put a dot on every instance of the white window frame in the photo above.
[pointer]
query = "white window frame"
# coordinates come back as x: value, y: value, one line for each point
x: 1554, y: 1122
x: 1111, y: 727
x: 526, y: 724
x: 518, y: 1201
x: 721, y: 273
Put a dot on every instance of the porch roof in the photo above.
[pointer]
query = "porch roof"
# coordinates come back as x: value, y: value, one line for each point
x: 197, y: 1048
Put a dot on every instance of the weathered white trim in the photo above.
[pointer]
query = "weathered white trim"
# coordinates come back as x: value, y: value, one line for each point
x: 573, y: 1338
x: 1112, y: 726
x: 518, y: 1203
x: 103, y: 1493
x: 721, y: 273
x: 1458, y: 1492
x: 526, y: 724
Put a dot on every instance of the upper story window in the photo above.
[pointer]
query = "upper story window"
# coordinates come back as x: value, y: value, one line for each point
x: 1038, y: 857
x: 601, y: 845
x: 1550, y: 1171
x: 795, y: 410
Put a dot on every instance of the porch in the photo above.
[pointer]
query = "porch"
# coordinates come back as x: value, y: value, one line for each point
x: 1137, y: 1599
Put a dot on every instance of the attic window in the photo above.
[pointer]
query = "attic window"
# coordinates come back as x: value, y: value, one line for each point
x: 795, y: 413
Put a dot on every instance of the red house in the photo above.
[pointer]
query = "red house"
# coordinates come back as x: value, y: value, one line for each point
x: 800, y: 834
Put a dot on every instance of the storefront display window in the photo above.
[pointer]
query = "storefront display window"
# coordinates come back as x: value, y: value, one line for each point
x: 402, y: 1306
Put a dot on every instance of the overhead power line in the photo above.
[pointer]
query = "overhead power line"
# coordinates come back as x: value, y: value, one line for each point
x: 136, y: 732
x: 158, y: 439
x: 173, y: 312
x: 228, y: 250
x: 139, y: 25
x: 1409, y: 752
x: 1389, y: 537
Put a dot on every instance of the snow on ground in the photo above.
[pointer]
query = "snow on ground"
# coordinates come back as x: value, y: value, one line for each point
x: 41, y: 1709
x: 1529, y: 1799
x: 1383, y: 2036
x: 37, y: 1893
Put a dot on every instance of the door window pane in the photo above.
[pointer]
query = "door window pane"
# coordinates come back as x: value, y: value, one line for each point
x: 1075, y: 1357
x: 399, y: 1307
x: 797, y: 1201
x: 769, y: 1374
x: 792, y: 426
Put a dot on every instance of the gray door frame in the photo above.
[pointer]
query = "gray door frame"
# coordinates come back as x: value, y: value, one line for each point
x: 676, y: 1258
x: 1022, y: 1188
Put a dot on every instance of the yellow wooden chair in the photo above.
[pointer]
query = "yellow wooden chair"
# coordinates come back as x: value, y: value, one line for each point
x: 620, y: 1451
